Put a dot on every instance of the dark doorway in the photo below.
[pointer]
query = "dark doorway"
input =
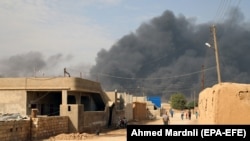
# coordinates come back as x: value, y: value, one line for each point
x: 110, y: 115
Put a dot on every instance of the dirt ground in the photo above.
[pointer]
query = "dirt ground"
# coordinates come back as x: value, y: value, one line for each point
x: 120, y: 134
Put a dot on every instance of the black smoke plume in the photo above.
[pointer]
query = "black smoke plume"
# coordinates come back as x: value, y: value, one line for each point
x: 31, y: 64
x: 168, y: 55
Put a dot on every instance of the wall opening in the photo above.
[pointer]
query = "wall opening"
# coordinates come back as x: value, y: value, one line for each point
x: 71, y: 99
x: 47, y: 102
x: 86, y: 101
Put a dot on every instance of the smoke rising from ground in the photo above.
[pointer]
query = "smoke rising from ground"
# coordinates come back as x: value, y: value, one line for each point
x: 31, y: 64
x: 163, y: 56
x: 166, y: 55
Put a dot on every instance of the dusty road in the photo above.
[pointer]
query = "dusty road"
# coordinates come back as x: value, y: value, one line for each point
x: 120, y: 134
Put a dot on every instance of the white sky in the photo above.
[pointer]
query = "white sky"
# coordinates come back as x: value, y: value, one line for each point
x: 81, y: 28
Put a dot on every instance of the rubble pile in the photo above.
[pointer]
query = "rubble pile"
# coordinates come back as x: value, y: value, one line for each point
x: 72, y: 136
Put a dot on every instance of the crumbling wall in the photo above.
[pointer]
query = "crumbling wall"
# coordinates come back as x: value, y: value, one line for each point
x: 207, y: 104
x: 15, y: 130
x: 225, y: 103
x: 44, y: 127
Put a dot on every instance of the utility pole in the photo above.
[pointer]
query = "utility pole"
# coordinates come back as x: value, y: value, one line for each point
x: 203, y: 78
x: 213, y: 29
x: 194, y: 100
x: 143, y: 92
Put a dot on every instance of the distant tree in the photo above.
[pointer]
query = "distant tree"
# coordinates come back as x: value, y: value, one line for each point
x: 192, y: 104
x: 178, y: 101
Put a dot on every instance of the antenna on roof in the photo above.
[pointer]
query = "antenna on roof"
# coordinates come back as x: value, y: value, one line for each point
x: 65, y: 72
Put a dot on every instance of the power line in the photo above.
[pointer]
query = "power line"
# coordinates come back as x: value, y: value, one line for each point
x: 223, y: 8
x: 221, y: 5
x: 155, y: 78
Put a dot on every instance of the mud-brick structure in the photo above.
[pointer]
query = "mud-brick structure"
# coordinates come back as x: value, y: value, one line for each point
x: 83, y: 101
x: 225, y: 103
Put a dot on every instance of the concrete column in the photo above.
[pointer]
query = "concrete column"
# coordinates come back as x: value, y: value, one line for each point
x: 78, y: 99
x: 74, y: 112
x: 116, y: 98
x: 64, y: 97
x: 34, y: 113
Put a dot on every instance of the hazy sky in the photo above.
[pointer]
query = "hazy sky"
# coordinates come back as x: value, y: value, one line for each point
x: 72, y: 32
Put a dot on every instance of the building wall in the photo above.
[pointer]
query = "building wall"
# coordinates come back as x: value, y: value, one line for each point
x: 207, y: 100
x: 111, y: 95
x: 140, y: 111
x: 226, y: 103
x: 73, y: 111
x: 93, y: 121
x: 84, y: 121
x: 139, y: 99
x: 129, y: 111
x: 13, y: 101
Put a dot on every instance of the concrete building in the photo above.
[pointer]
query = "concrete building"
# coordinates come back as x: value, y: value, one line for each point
x: 83, y: 101
x: 123, y: 102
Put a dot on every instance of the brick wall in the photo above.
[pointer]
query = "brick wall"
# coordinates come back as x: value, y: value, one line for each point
x: 15, y: 130
x: 44, y: 127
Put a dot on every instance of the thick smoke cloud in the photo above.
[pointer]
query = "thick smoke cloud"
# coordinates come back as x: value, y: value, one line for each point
x: 31, y: 64
x: 166, y: 55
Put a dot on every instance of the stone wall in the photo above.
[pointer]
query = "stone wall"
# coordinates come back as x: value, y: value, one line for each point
x: 15, y: 130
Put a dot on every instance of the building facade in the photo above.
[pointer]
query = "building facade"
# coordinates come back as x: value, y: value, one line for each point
x: 83, y: 101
